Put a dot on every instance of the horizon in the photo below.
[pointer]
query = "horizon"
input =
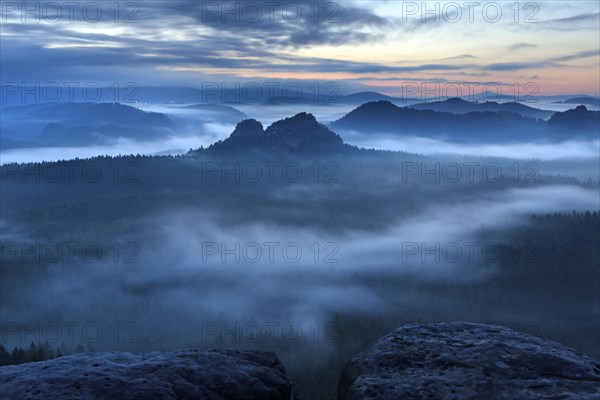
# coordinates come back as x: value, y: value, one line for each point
x: 383, y: 46
x: 293, y: 200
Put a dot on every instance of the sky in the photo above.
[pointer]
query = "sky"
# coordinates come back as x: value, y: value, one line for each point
x: 394, y: 47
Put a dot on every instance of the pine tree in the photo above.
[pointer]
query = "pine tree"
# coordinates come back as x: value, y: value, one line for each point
x: 4, y: 356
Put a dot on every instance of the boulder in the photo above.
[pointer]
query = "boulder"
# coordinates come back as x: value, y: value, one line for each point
x: 181, y: 374
x: 461, y: 360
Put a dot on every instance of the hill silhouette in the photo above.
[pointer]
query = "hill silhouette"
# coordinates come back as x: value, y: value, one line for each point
x: 298, y: 134
x: 578, y: 120
x: 69, y: 124
x: 219, y: 112
x: 385, y: 117
x: 586, y: 101
x: 456, y: 105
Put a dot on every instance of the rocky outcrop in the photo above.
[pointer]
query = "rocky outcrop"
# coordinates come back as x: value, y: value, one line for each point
x: 302, y: 133
x: 181, y: 374
x: 299, y: 134
x: 462, y: 360
x: 576, y: 121
x: 249, y: 132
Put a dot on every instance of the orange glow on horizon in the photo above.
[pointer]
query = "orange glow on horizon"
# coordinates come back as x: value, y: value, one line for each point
x: 551, y: 82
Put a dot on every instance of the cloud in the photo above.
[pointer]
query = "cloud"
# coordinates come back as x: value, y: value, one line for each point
x: 182, y: 34
x: 461, y: 57
x: 516, y: 66
x: 583, y: 21
x: 552, y: 62
x: 578, y: 55
x: 291, y: 24
x: 519, y: 46
x: 177, y: 41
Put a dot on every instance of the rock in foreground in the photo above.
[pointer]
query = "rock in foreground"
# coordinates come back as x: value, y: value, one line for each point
x: 462, y: 360
x: 181, y: 374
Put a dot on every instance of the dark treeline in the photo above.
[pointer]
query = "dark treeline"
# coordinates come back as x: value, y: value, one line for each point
x: 546, y: 282
x: 38, y: 352
x: 479, y: 126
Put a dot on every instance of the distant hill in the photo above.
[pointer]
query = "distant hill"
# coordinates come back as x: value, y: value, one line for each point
x: 364, y: 97
x: 298, y: 134
x: 296, y: 100
x: 367, y: 96
x: 586, y: 101
x: 222, y: 113
x: 325, y: 98
x: 578, y: 120
x: 385, y: 117
x: 13, y: 95
x: 98, y: 113
x: 247, y: 95
x: 7, y: 144
x: 68, y: 124
x: 457, y: 105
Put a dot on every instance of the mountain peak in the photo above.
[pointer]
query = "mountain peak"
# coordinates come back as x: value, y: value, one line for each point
x: 300, y: 133
x: 455, y: 100
x: 300, y: 118
x: 305, y: 115
x: 248, y: 127
x: 576, y: 120
x: 378, y: 105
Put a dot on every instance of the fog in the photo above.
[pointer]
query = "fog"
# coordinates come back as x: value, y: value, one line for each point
x: 199, y: 127
x: 178, y: 272
x: 171, y: 145
x: 542, y: 150
x: 193, y: 129
x: 212, y: 271
x: 554, y: 106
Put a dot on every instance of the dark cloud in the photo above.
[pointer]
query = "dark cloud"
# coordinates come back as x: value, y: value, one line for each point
x: 285, y: 23
x: 213, y: 39
x: 548, y: 63
x: 198, y: 36
x: 576, y: 22
x: 516, y: 66
x: 519, y: 46
x: 579, y: 55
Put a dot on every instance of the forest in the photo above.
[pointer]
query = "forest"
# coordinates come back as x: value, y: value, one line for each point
x: 389, y: 234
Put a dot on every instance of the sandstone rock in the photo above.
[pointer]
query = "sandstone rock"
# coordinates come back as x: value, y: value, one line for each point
x: 462, y: 360
x: 181, y: 374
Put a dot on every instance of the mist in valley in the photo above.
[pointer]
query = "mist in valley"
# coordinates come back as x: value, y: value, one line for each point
x: 201, y: 277
x: 311, y: 255
x: 302, y: 179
